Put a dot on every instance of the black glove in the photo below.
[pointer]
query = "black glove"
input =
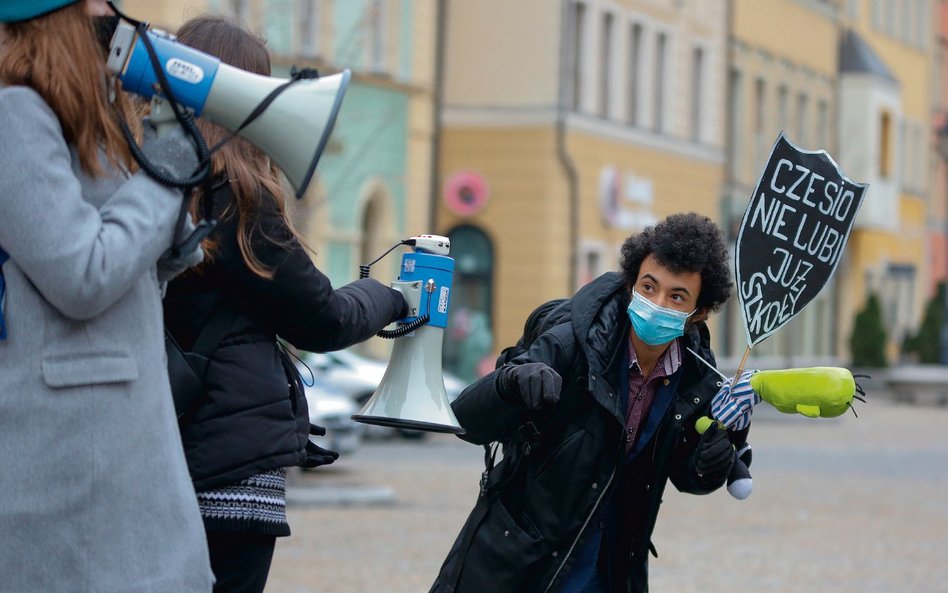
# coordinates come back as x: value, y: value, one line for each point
x: 714, y: 455
x: 172, y: 152
x: 533, y: 384
x: 316, y: 455
x: 405, y: 310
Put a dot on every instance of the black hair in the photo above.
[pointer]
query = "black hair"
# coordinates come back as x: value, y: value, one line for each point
x: 684, y: 243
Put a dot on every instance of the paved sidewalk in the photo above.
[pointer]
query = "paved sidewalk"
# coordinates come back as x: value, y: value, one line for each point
x: 841, y: 505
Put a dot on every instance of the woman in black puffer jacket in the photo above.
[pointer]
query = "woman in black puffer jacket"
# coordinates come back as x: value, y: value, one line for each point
x: 250, y: 426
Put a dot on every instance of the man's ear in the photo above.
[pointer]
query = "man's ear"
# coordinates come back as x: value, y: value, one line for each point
x: 700, y: 315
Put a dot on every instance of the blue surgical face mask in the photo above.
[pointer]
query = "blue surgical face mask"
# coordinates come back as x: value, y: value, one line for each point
x: 653, y: 324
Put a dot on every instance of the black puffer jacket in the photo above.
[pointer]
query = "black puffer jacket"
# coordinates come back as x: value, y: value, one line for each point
x: 247, y: 423
x: 527, y: 540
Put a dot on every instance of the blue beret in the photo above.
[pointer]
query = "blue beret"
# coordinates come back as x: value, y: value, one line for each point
x: 14, y: 11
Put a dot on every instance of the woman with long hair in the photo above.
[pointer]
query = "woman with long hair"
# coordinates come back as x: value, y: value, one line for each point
x: 94, y: 492
x: 249, y: 425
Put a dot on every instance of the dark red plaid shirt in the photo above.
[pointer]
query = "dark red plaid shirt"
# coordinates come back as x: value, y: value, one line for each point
x: 642, y: 389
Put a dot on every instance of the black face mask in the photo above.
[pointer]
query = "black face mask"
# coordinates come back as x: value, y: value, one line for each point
x: 105, y: 27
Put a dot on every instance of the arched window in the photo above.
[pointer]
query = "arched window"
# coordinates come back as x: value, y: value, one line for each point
x: 376, y: 234
x: 372, y: 242
x: 469, y: 343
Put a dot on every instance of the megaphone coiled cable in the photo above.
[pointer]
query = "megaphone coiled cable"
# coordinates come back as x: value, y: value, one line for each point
x: 404, y: 330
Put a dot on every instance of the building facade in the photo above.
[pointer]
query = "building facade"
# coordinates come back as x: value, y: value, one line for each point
x: 539, y: 134
x: 554, y: 151
x: 886, y: 95
x: 373, y: 182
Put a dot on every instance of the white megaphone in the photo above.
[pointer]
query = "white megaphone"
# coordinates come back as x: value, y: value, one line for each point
x: 292, y: 130
x: 412, y: 394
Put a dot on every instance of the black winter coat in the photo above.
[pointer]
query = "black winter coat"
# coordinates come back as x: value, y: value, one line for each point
x: 247, y: 422
x: 527, y: 540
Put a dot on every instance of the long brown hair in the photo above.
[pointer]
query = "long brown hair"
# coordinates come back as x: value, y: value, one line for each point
x: 59, y: 57
x: 252, y: 176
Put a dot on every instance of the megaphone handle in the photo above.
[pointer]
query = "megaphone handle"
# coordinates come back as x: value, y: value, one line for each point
x: 162, y: 117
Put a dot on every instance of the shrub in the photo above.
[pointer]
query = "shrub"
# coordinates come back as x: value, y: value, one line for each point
x: 867, y: 342
x: 927, y: 342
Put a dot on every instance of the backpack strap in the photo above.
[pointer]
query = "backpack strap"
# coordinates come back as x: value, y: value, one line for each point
x: 213, y: 331
x: 208, y: 339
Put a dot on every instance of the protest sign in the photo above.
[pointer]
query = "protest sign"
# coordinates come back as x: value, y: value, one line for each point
x: 792, y: 236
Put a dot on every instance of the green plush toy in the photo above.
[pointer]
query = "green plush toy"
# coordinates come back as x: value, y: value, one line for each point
x: 816, y: 392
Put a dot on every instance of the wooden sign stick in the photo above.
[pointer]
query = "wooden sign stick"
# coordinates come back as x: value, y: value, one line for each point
x: 740, y: 367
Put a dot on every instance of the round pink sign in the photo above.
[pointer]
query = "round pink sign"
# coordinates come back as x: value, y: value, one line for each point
x: 465, y: 193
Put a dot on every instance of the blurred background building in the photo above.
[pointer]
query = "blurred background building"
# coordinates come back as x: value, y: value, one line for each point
x: 538, y: 134
x: 373, y: 184
x: 782, y: 76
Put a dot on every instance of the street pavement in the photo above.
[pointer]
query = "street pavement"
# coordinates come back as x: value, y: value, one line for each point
x: 841, y: 505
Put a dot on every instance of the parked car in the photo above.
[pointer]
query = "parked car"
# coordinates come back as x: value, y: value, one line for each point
x: 358, y: 376
x: 333, y: 411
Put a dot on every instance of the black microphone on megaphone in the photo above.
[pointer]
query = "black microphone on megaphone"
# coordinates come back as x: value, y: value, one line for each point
x: 288, y: 119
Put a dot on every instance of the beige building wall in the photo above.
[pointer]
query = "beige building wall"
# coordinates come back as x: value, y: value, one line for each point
x: 526, y: 216
x: 502, y: 54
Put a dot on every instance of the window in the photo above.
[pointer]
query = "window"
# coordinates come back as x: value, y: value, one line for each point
x: 579, y: 21
x: 308, y: 23
x: 471, y: 302
x: 735, y: 116
x: 898, y: 296
x: 241, y: 10
x: 853, y: 9
x: 890, y: 17
x: 658, y: 113
x: 377, y: 31
x: 802, y: 107
x: 635, y: 67
x: 922, y: 17
x: 760, y: 98
x: 908, y: 23
x: 760, y: 86
x: 921, y: 161
x: 605, y: 65
x: 592, y: 264
x: 885, y: 142
x: 697, y: 87
x: 905, y: 154
x: 782, y: 107
x: 822, y: 125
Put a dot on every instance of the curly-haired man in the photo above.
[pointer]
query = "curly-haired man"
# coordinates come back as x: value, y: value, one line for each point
x: 595, y: 417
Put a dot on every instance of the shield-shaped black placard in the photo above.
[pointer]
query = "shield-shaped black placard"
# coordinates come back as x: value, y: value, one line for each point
x: 792, y: 236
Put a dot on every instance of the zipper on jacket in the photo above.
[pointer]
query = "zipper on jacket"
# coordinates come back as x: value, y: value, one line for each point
x: 572, y: 546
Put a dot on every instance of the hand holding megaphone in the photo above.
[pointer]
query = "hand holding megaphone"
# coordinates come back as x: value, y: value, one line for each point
x: 167, y: 147
x: 288, y: 119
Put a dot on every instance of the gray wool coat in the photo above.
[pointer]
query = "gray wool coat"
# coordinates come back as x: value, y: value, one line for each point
x: 94, y: 491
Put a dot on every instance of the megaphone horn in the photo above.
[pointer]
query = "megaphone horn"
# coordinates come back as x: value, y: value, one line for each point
x: 412, y: 394
x: 292, y: 130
